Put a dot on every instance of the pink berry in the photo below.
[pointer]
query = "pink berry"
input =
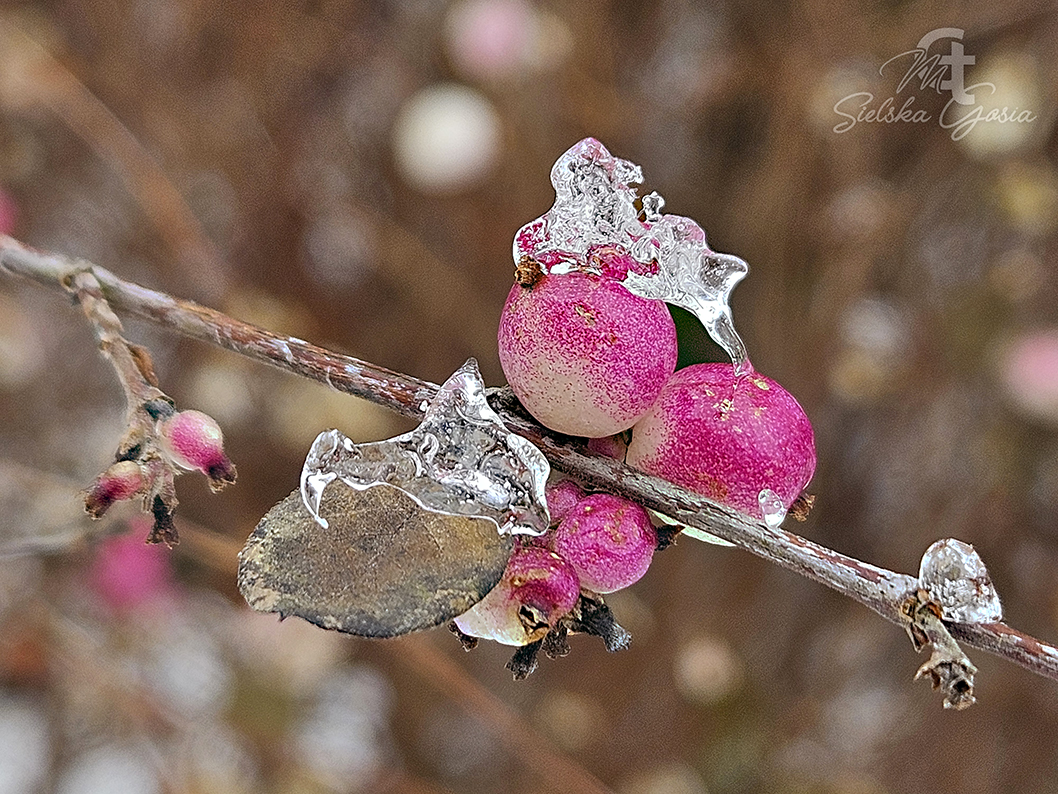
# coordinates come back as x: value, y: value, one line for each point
x: 608, y: 540
x: 610, y: 446
x: 728, y: 437
x: 538, y: 587
x: 584, y: 355
x: 128, y: 573
x: 561, y: 497
x: 193, y: 440
x: 123, y: 480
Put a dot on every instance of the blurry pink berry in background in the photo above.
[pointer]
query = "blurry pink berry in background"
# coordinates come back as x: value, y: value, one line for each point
x: 1029, y: 369
x: 490, y: 38
x: 128, y: 573
x: 8, y: 212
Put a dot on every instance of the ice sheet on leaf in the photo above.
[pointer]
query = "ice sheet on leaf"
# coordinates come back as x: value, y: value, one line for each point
x: 955, y: 577
x: 594, y: 226
x: 461, y: 460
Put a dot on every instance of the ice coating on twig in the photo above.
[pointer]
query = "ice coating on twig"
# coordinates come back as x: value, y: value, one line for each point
x: 461, y: 460
x: 594, y: 226
x: 954, y: 576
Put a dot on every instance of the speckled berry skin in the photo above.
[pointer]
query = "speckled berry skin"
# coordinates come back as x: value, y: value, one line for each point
x: 537, y: 589
x: 726, y: 437
x: 584, y: 355
x: 608, y: 540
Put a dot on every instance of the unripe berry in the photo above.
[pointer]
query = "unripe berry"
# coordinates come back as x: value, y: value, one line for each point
x: 584, y: 355
x: 728, y: 437
x: 561, y: 497
x: 608, y: 540
x: 193, y: 440
x: 538, y: 587
x: 123, y: 480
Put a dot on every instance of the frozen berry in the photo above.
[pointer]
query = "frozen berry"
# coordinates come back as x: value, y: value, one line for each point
x: 584, y: 355
x: 608, y: 540
x: 727, y: 436
x: 193, y: 440
x: 538, y: 587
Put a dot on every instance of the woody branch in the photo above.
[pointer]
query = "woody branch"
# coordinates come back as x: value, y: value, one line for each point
x: 892, y: 595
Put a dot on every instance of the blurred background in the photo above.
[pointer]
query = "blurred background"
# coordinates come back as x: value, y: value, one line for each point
x: 352, y: 173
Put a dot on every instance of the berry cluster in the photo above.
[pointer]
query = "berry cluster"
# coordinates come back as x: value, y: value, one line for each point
x: 553, y: 583
x: 589, y: 347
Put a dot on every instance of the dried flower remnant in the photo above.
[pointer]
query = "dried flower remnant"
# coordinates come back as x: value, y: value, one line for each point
x: 955, y: 578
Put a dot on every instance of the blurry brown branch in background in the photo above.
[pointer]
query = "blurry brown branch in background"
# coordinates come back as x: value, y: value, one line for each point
x: 886, y: 592
x: 36, y: 76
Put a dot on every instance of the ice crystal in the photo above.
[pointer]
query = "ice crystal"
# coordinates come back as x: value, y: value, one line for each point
x: 461, y: 460
x: 954, y: 576
x: 594, y: 226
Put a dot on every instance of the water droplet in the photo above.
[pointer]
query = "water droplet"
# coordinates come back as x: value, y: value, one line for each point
x: 956, y: 579
x: 772, y: 508
x: 594, y: 226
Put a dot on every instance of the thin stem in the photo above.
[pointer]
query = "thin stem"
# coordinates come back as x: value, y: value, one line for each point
x: 879, y: 589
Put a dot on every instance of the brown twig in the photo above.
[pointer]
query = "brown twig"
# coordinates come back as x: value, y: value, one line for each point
x: 881, y: 590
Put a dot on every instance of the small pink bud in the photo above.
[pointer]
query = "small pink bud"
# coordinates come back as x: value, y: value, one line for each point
x: 561, y: 497
x: 123, y: 480
x: 193, y: 440
x: 8, y: 212
x: 537, y: 589
x: 608, y: 540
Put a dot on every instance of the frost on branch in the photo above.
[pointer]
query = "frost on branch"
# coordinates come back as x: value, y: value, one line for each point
x: 594, y: 226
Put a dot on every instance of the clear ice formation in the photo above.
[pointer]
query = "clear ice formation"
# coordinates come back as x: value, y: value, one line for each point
x: 954, y: 576
x: 772, y: 508
x: 594, y: 226
x: 461, y: 460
